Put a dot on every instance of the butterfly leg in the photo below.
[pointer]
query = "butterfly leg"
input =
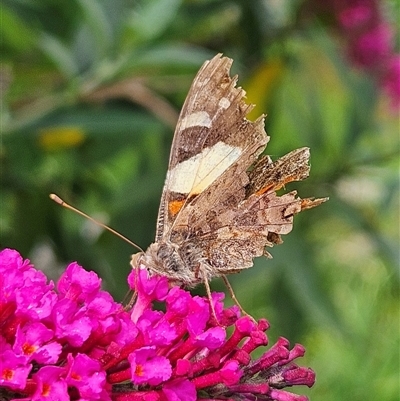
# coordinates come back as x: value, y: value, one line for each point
x: 132, y: 298
x: 132, y: 294
x: 233, y: 296
x: 208, y: 291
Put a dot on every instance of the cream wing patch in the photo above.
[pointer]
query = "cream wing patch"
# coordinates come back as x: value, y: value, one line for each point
x: 194, y: 175
x: 224, y: 103
x: 198, y: 119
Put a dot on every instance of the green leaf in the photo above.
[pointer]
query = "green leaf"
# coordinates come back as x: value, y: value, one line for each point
x: 173, y: 56
x: 60, y: 54
x: 96, y: 18
x: 114, y: 122
x: 154, y: 17
x: 14, y: 32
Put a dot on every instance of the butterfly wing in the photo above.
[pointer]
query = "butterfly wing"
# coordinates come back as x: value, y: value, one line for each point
x: 231, y: 225
x: 219, y: 204
x: 211, y: 136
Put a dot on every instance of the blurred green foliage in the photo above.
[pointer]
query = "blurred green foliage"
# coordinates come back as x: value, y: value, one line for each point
x: 91, y: 90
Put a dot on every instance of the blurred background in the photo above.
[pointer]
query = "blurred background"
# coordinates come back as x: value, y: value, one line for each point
x: 90, y: 94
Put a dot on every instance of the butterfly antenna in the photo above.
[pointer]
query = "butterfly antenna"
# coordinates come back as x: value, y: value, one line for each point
x: 58, y: 200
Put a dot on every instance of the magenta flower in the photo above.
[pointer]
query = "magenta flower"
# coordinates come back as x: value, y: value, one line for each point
x: 147, y: 367
x: 370, y: 43
x: 368, y: 39
x: 355, y: 15
x: 371, y: 47
x: 50, y: 384
x: 78, y: 344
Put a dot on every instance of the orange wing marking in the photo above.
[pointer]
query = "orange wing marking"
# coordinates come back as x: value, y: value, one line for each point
x: 175, y: 206
x: 277, y: 185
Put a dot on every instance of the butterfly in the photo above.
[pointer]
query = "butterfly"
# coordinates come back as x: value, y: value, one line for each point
x: 219, y: 208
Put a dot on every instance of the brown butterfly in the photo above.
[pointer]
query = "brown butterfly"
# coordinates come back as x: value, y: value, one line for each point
x: 219, y: 208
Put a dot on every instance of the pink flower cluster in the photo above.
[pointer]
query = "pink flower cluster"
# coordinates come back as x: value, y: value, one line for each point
x: 370, y: 43
x: 77, y: 343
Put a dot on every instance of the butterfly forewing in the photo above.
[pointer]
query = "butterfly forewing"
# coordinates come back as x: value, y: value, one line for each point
x: 212, y: 135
